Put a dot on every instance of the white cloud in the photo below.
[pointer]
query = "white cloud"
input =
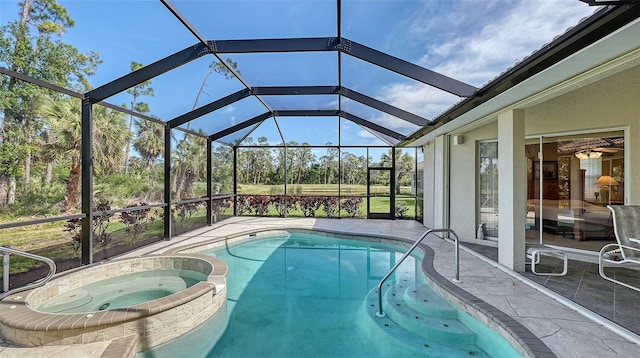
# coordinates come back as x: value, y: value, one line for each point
x: 474, y: 41
x: 417, y: 98
x: 500, y: 41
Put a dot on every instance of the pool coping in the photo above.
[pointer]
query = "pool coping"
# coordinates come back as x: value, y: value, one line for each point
x: 523, y: 340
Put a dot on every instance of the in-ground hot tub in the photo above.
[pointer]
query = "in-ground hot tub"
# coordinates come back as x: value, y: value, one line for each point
x: 154, y: 298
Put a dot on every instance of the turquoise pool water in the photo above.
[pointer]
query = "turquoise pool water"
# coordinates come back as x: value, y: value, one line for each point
x: 122, y: 291
x: 304, y: 296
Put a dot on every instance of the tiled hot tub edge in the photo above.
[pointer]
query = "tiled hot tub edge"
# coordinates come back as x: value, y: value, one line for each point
x: 148, y: 321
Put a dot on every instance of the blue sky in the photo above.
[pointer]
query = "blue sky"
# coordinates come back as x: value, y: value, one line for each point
x: 472, y: 41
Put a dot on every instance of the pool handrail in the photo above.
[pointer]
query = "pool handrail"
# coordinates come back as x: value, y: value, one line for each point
x: 380, y: 312
x: 5, y: 272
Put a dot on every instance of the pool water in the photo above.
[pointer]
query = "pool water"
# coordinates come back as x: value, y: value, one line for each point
x: 298, y: 297
x: 122, y: 291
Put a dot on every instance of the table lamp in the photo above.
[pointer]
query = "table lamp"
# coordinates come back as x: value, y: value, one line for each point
x: 605, y: 183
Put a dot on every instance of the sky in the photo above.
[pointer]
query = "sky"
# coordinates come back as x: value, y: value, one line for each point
x: 469, y: 40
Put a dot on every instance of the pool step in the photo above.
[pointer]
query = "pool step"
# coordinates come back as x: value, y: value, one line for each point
x: 434, y: 318
x: 430, y: 328
x: 422, y: 299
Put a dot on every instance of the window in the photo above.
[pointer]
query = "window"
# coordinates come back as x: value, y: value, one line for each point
x: 488, y: 188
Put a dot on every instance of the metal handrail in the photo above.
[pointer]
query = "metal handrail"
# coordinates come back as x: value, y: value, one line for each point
x: 5, y: 272
x: 380, y: 313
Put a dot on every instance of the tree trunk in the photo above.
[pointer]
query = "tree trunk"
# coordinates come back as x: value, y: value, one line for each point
x: 73, y: 186
x: 26, y: 8
x: 27, y: 163
x: 11, y: 196
x: 177, y: 183
x: 189, y: 180
x: 126, y: 152
x: 49, y: 174
x: 4, y: 190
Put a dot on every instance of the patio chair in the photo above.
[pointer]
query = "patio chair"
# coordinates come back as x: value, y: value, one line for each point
x: 534, y: 253
x: 626, y: 252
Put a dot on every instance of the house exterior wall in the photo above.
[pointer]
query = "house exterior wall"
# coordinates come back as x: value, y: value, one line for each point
x: 464, y: 180
x: 610, y: 103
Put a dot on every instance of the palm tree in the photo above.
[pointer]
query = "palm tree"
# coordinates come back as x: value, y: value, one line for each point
x: 149, y: 142
x: 110, y: 137
x: 142, y: 89
x: 63, y: 116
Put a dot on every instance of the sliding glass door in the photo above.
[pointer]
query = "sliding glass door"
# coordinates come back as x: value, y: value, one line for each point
x: 571, y: 179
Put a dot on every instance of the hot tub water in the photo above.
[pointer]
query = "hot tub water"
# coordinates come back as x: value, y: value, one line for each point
x: 122, y: 291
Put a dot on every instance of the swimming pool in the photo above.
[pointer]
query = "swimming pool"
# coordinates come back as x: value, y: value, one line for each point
x: 307, y: 295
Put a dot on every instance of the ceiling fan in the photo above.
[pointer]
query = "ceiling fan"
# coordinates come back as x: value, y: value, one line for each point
x: 594, y: 153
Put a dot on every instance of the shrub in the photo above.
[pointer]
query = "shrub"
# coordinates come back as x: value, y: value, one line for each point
x: 331, y: 206
x: 401, y: 209
x: 309, y: 205
x: 243, y: 205
x: 352, y: 205
x: 283, y: 204
x: 184, y: 213
x: 136, y: 222
x: 259, y: 204
x: 219, y: 206
x: 101, y: 222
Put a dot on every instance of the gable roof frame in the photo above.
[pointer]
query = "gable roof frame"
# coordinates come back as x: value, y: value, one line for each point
x: 338, y: 44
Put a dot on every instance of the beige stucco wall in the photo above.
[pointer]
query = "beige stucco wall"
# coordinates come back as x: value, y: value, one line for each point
x: 610, y: 103
x: 464, y: 180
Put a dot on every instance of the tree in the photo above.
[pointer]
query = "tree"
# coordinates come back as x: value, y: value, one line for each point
x: 149, y: 142
x: 63, y: 116
x: 222, y: 169
x: 255, y: 164
x: 219, y: 68
x: 190, y: 163
x: 142, y: 89
x: 404, y: 166
x: 31, y: 45
x: 187, y: 170
x: 329, y: 163
x: 354, y: 169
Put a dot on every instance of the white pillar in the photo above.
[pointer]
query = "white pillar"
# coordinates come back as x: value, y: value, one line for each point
x: 441, y: 183
x: 428, y: 184
x: 512, y: 189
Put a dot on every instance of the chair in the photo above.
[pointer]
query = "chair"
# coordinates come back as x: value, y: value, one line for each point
x: 626, y: 252
x: 535, y: 252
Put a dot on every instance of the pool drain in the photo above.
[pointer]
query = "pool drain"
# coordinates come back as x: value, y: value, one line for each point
x: 104, y: 306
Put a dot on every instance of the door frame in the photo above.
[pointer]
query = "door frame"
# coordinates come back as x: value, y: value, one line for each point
x: 392, y: 195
